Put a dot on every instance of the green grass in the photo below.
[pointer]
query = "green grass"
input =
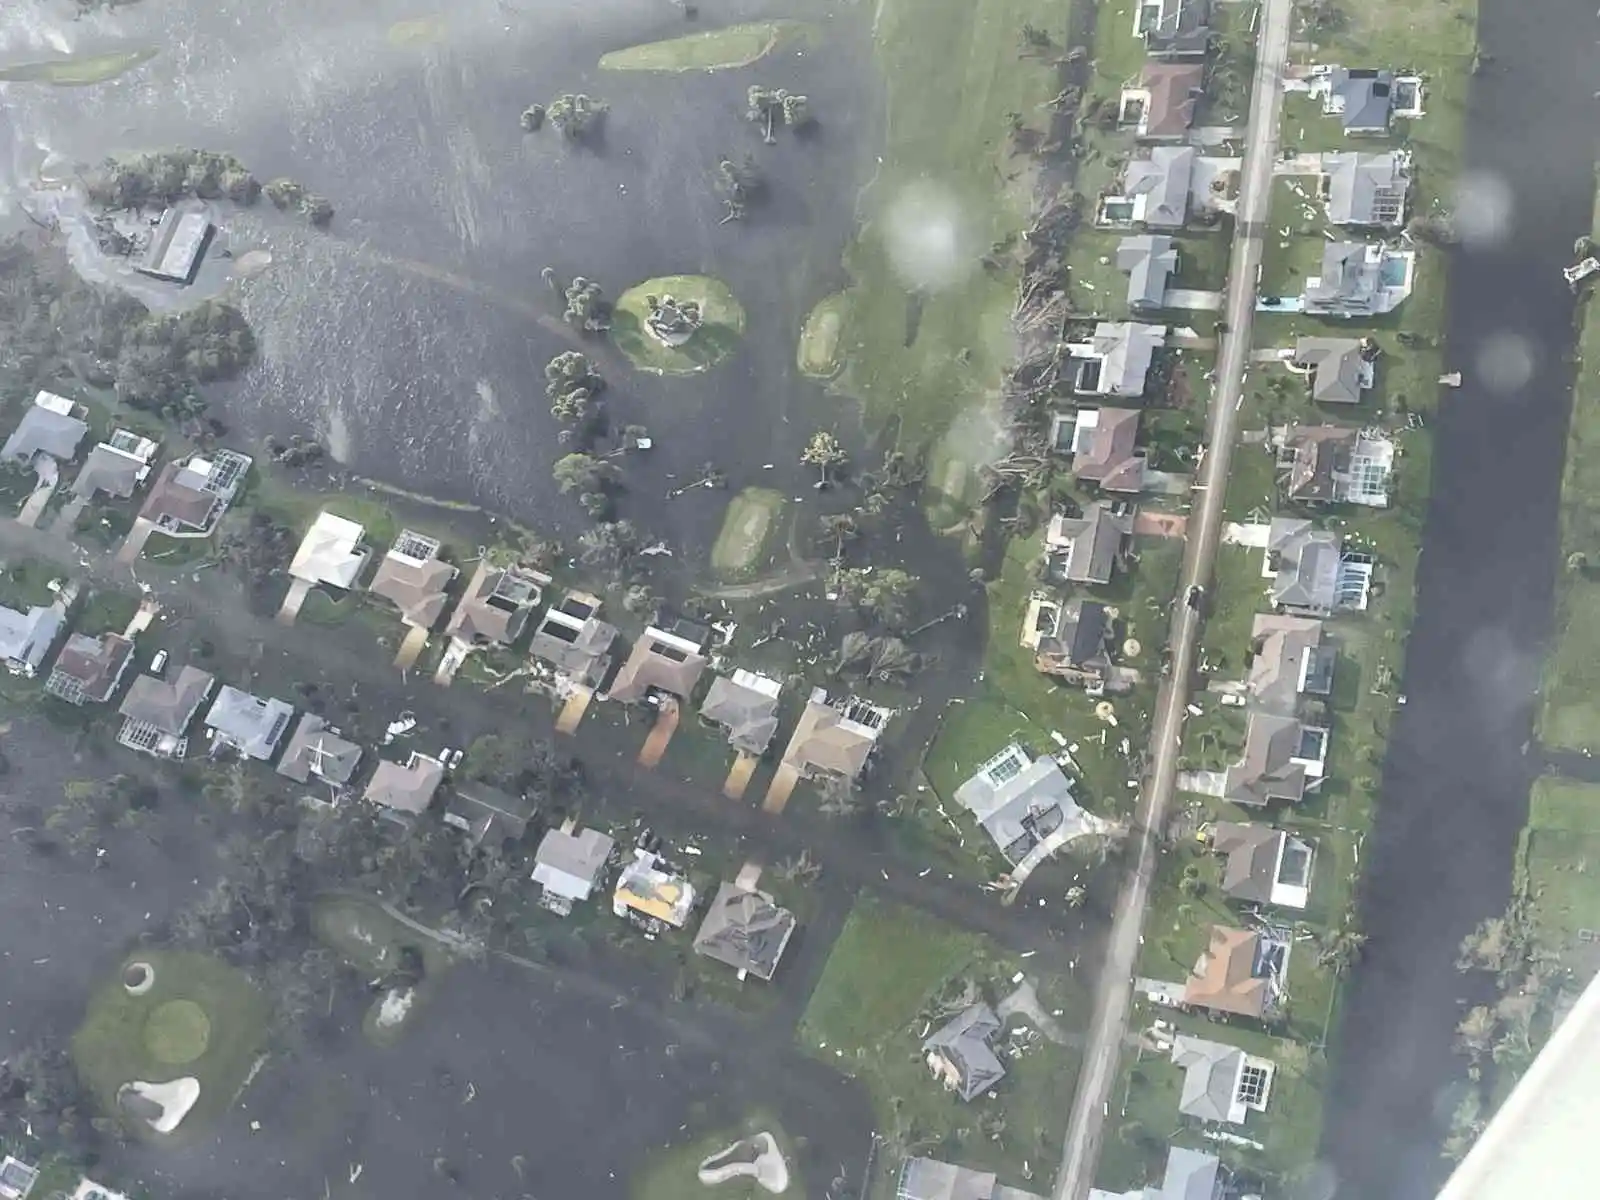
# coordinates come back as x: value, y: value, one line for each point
x: 717, y: 338
x: 1561, y: 861
x: 747, y: 530
x: 946, y: 149
x: 713, y: 50
x: 671, y: 1174
x: 105, y: 611
x: 125, y: 1038
x: 78, y: 70
x: 883, y: 983
x: 25, y: 584
x: 1289, y: 259
x: 821, y: 336
x: 1202, y: 261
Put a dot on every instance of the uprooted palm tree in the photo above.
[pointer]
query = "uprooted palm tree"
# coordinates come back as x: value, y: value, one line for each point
x: 739, y: 184
x: 882, y: 594
x: 838, y: 528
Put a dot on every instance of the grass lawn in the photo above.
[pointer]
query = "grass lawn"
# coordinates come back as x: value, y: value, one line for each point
x: 890, y: 970
x: 199, y: 1018
x: 953, y: 73
x: 1561, y: 859
x: 78, y: 70
x: 744, y: 544
x: 25, y: 583
x: 1291, y: 250
x: 1203, y: 261
x: 720, y: 310
x: 370, y: 940
x: 105, y: 611
x: 713, y: 50
x: 822, y: 335
x: 671, y: 1174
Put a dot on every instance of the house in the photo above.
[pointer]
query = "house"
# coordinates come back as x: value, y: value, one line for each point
x: 834, y: 739
x: 653, y: 897
x: 662, y: 661
x: 88, y: 1189
x: 1340, y: 368
x: 1072, y: 642
x: 189, y: 498
x: 16, y: 1178
x: 332, y: 553
x: 931, y: 1179
x: 1289, y: 659
x: 1329, y: 464
x: 574, y: 641
x: 1310, y: 572
x: 413, y: 578
x: 1366, y: 191
x: 1282, y: 757
x: 1104, y: 442
x: 89, y: 669
x: 1158, y: 187
x: 745, y: 707
x: 404, y: 792
x: 745, y: 929
x: 1161, y: 106
x: 316, y: 749
x: 157, y: 713
x: 51, y: 428
x: 26, y: 637
x: 1150, y: 261
x: 1173, y: 28
x: 1116, y: 360
x: 1358, y: 279
x: 960, y: 1054
x: 1225, y: 977
x: 116, y: 466
x: 1263, y: 865
x: 1189, y: 1175
x: 568, y: 864
x: 1019, y: 801
x: 494, y: 611
x: 1087, y: 549
x: 177, y: 245
x: 487, y: 814
x: 1362, y: 99
x: 247, y: 723
x: 1221, y: 1083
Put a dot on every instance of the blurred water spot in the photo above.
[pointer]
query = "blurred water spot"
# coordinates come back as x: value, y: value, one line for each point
x: 928, y: 237
x: 1483, y: 211
x: 1505, y: 362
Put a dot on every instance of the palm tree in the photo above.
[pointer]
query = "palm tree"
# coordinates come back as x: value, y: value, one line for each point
x: 825, y: 452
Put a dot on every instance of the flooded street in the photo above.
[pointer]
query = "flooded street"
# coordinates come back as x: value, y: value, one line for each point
x: 1455, y: 787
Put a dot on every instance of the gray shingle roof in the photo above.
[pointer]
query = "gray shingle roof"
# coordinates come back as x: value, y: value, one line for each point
x: 1267, y: 771
x: 963, y: 1046
x: 314, y: 749
x: 1125, y: 349
x: 1368, y: 97
x: 1349, y: 284
x: 1150, y: 259
x: 749, y: 716
x: 1283, y: 646
x: 167, y: 706
x: 1163, y: 179
x: 1252, y: 859
x: 1338, y: 368
x: 745, y: 929
x: 1182, y: 30
x: 1091, y: 543
x: 1210, y: 1077
x: 110, y: 471
x: 253, y: 725
x: 26, y: 637
x: 1367, y: 190
x: 1019, y: 811
x: 1174, y: 90
x: 569, y: 864
x: 1307, y: 565
x: 44, y: 431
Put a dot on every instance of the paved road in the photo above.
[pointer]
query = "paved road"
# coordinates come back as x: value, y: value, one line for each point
x: 1081, y: 1149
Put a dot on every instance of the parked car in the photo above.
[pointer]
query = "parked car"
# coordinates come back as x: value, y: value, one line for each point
x: 158, y: 664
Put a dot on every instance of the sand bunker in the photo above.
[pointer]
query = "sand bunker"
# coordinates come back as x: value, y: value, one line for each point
x: 138, y: 978
x: 755, y: 1158
x: 162, y: 1105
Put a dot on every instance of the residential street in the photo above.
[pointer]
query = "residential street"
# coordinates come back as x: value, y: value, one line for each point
x: 1081, y: 1148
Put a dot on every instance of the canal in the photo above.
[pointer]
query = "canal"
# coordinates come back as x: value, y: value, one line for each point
x: 1455, y: 786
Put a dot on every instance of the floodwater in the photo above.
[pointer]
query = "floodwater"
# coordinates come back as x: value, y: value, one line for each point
x: 412, y: 336
x: 1456, y: 782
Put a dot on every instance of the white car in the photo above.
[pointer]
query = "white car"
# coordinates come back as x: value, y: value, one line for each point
x: 453, y: 758
x: 158, y: 664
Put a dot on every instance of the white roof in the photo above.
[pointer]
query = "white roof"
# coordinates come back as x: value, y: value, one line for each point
x: 330, y: 553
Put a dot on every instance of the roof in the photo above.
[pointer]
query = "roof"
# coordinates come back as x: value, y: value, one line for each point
x: 168, y: 706
x: 1163, y: 179
x: 970, y: 1066
x: 747, y: 707
x: 577, y: 645
x: 1175, y: 90
x: 660, y: 661
x: 109, y: 470
x: 496, y: 604
x: 1224, y: 977
x: 1091, y: 542
x: 1349, y: 282
x: 1105, y: 450
x: 331, y: 552
x: 1306, y: 561
x: 1252, y: 854
x: 1182, y: 29
x: 1285, y: 648
x: 1322, y: 455
x: 175, y: 247
x: 1149, y: 259
x: 315, y: 749
x: 1267, y: 771
x: 1367, y: 190
x: 414, y: 585
x: 26, y: 637
x: 1339, y: 368
x: 87, y: 669
x: 825, y: 740
x: 930, y: 1179
x: 569, y: 864
x: 1367, y: 97
x: 173, y: 501
x: 745, y: 929
x: 478, y: 807
x: 1190, y: 1175
x: 43, y: 430
x: 1210, y: 1077
x: 1018, y: 801
x: 1126, y: 350
x: 644, y: 887
x: 252, y: 724
x: 408, y: 788
x: 1080, y: 636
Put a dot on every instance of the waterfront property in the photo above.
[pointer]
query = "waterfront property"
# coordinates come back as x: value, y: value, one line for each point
x: 1366, y: 190
x: 1188, y: 1175
x: 1361, y: 97
x: 1283, y: 757
x: 1263, y: 865
x: 1231, y: 976
x: 333, y: 553
x: 177, y: 245
x: 413, y: 578
x: 1359, y: 280
x: 1340, y: 370
x: 189, y: 497
x: 1154, y: 192
x: 495, y: 608
x: 1311, y: 573
x: 1332, y: 464
x: 1290, y: 658
x: 1221, y: 1083
x: 832, y: 740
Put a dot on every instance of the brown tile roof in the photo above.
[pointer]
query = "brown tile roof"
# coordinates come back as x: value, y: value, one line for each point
x: 485, y: 617
x: 1174, y: 91
x: 1224, y: 978
x: 823, y: 742
x: 94, y: 664
x: 657, y: 664
x: 408, y: 788
x: 171, y: 499
x: 416, y: 589
x: 1108, y: 459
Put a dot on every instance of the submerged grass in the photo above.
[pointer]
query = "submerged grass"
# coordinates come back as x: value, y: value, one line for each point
x: 713, y: 50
